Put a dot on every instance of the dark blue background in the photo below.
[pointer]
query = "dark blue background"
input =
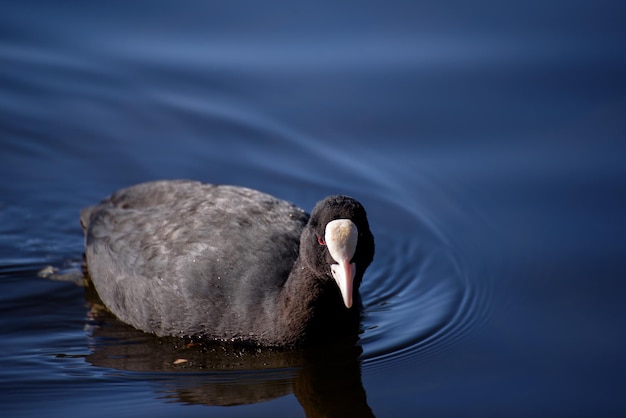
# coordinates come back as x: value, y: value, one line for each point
x: 496, y: 127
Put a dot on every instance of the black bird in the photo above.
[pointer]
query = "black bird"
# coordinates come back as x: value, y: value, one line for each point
x: 183, y: 258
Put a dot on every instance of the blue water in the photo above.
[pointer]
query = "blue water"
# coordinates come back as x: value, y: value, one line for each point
x: 486, y: 140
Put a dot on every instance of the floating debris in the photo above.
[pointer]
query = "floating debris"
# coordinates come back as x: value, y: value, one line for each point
x: 71, y: 274
x: 46, y: 272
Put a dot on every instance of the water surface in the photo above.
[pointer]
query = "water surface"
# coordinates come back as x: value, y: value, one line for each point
x: 485, y: 140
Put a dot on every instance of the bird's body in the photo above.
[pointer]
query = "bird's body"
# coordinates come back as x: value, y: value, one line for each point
x: 184, y: 258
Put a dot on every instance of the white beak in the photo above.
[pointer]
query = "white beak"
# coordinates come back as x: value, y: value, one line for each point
x: 341, y: 237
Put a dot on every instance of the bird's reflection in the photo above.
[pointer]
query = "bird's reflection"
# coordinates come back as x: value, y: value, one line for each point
x: 326, y: 380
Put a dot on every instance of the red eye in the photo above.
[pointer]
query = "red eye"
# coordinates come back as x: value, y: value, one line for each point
x: 320, y: 240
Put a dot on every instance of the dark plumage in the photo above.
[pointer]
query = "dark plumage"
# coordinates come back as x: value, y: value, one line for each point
x: 183, y: 258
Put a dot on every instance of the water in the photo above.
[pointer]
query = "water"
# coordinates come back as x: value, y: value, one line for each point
x: 486, y: 141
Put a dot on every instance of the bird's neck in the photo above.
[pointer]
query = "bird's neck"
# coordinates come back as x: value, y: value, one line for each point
x: 311, y: 308
x: 296, y: 304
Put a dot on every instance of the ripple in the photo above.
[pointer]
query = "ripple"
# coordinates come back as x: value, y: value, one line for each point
x: 418, y: 298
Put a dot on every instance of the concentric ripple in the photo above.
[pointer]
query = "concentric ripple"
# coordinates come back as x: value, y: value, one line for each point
x: 416, y: 296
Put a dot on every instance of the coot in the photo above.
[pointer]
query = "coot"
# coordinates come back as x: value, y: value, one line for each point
x: 184, y: 258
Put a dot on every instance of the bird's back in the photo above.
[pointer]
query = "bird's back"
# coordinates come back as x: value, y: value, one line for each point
x: 186, y: 258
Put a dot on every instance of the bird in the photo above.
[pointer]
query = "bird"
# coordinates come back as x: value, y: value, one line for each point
x: 184, y: 258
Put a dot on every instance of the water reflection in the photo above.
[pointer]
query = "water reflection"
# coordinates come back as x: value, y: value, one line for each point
x: 325, y: 380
